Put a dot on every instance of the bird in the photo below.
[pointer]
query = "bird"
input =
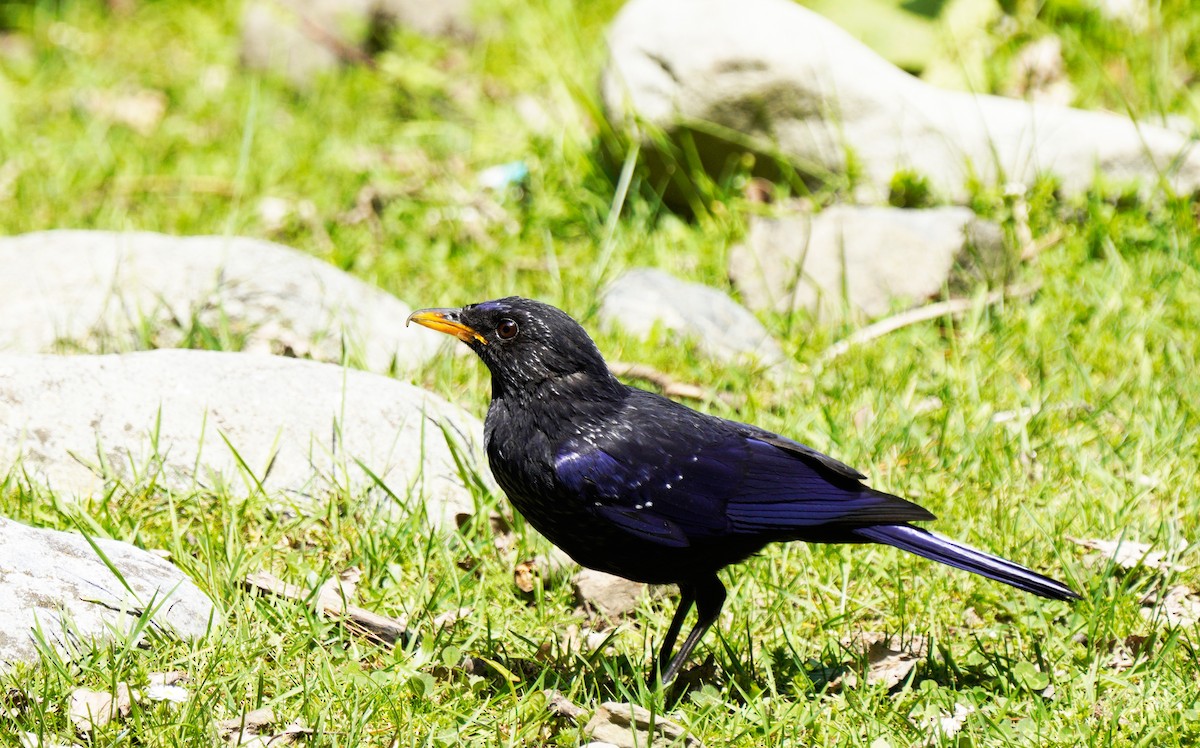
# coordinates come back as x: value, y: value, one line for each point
x: 635, y: 484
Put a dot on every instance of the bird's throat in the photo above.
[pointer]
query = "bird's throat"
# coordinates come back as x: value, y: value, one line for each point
x: 551, y: 387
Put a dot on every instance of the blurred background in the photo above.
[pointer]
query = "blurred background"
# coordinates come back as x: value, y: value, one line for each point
x: 362, y: 132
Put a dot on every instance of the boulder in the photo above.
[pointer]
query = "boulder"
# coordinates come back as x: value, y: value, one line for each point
x: 642, y: 298
x: 866, y: 259
x: 55, y: 583
x: 189, y: 420
x: 102, y: 292
x: 772, y: 77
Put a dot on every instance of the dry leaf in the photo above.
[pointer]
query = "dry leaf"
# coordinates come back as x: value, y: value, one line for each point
x: 1179, y: 607
x: 1129, y: 555
x: 888, y: 661
x: 503, y: 536
x: 525, y: 575
x: 1126, y: 652
x: 253, y: 721
x: 91, y: 709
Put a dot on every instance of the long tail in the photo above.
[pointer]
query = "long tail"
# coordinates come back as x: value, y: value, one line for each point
x: 946, y: 551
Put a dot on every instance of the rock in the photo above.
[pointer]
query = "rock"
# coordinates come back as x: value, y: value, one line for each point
x: 629, y: 725
x: 780, y: 79
x: 78, y: 423
x: 101, y: 291
x: 56, y: 582
x: 612, y: 596
x: 876, y: 256
x: 643, y: 298
x: 300, y: 39
x: 441, y: 18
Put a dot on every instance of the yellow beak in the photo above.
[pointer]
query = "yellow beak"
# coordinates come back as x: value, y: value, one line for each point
x: 443, y: 320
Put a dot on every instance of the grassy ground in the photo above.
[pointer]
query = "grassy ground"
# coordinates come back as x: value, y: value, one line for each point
x: 1104, y: 359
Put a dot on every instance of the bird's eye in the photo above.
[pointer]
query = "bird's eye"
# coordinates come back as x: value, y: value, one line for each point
x: 507, y: 329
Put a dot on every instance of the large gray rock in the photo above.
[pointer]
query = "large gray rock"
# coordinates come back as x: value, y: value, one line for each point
x: 176, y: 417
x: 102, y: 291
x: 56, y: 583
x: 778, y: 78
x: 642, y: 298
x: 865, y: 258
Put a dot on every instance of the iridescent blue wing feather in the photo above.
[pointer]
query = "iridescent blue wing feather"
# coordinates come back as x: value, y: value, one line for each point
x: 672, y: 483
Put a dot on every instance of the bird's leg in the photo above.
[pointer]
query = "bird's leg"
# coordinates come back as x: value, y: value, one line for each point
x: 687, y: 598
x: 710, y: 598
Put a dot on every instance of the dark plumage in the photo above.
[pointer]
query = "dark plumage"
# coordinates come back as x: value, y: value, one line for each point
x: 634, y: 484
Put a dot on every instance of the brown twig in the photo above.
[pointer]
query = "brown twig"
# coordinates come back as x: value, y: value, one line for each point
x: 922, y: 314
x: 671, y: 387
x: 373, y: 626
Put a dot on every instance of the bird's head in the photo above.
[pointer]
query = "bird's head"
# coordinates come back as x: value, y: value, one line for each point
x: 524, y: 343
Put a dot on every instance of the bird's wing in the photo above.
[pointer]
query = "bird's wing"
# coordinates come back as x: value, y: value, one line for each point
x: 801, y: 489
x: 673, y: 483
x: 805, y: 452
x: 642, y: 485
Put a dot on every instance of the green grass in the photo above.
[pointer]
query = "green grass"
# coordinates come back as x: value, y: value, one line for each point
x: 1105, y: 355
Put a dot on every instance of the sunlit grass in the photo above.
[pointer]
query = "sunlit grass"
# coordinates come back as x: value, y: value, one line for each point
x: 1099, y: 369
